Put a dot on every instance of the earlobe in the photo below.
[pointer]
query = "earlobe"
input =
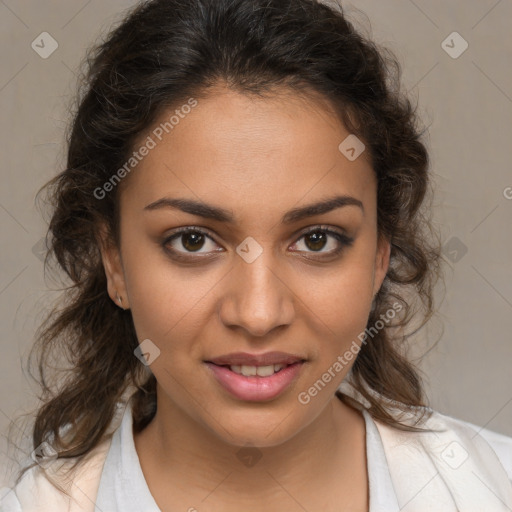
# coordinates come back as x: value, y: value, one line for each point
x: 120, y: 301
x: 113, y: 267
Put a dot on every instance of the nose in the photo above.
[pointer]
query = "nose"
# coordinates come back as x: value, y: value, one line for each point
x: 258, y: 297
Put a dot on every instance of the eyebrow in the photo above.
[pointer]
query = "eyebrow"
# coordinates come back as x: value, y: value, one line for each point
x: 208, y: 211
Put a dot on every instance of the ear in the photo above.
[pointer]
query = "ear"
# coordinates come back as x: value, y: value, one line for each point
x: 112, y: 263
x: 381, y: 262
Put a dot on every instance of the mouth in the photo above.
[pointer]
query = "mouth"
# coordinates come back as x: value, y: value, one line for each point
x: 255, y: 383
x: 254, y: 371
x: 242, y: 359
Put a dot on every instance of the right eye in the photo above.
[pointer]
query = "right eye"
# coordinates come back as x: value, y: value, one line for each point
x: 188, y: 241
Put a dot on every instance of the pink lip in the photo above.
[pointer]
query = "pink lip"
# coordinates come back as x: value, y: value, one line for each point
x: 255, y: 388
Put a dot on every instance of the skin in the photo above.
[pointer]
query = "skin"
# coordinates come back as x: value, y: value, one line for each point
x: 257, y: 158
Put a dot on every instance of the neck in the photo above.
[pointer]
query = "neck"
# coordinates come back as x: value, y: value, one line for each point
x: 179, y: 449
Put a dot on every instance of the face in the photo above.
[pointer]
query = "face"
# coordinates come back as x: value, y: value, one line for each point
x: 258, y: 270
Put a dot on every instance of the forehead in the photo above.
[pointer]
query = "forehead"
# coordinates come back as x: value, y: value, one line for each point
x: 238, y: 149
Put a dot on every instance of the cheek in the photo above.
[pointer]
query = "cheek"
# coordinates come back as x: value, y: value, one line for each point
x: 344, y: 300
x: 168, y: 303
x: 345, y: 311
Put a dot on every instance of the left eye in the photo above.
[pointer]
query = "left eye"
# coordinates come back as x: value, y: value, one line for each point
x: 315, y: 240
x: 318, y: 238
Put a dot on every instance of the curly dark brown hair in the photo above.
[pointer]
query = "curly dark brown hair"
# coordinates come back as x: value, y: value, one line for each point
x: 163, y: 52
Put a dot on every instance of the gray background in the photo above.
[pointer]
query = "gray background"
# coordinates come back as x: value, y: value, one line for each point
x: 467, y: 101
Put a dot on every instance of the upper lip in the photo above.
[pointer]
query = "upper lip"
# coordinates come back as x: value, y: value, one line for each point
x: 246, y: 359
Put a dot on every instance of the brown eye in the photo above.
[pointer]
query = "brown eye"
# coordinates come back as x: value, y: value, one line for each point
x: 316, y: 240
x: 192, y: 241
x: 188, y: 241
x: 319, y: 238
x: 185, y: 242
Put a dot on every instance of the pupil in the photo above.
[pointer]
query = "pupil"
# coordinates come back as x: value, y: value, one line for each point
x: 318, y: 238
x: 197, y: 239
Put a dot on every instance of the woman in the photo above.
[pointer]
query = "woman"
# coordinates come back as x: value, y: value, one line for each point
x: 243, y: 217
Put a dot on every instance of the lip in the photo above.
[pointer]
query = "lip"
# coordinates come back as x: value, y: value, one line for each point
x: 265, y: 359
x: 255, y: 388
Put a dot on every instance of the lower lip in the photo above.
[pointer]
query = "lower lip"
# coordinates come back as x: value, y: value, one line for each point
x: 255, y: 388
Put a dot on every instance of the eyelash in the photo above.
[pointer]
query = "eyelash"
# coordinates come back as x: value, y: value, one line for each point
x: 344, y: 241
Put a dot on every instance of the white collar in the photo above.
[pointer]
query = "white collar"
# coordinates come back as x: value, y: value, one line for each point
x: 123, y: 487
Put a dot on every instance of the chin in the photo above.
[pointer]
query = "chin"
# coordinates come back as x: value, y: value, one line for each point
x: 258, y: 438
x: 247, y: 428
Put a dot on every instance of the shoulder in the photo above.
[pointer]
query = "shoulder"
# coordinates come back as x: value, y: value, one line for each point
x: 33, y: 490
x: 454, y: 437
x: 450, y: 461
x: 500, y: 443
x: 56, y: 488
x: 450, y: 445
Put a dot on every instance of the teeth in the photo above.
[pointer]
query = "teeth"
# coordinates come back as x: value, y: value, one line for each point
x: 261, y: 371
x: 248, y: 371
